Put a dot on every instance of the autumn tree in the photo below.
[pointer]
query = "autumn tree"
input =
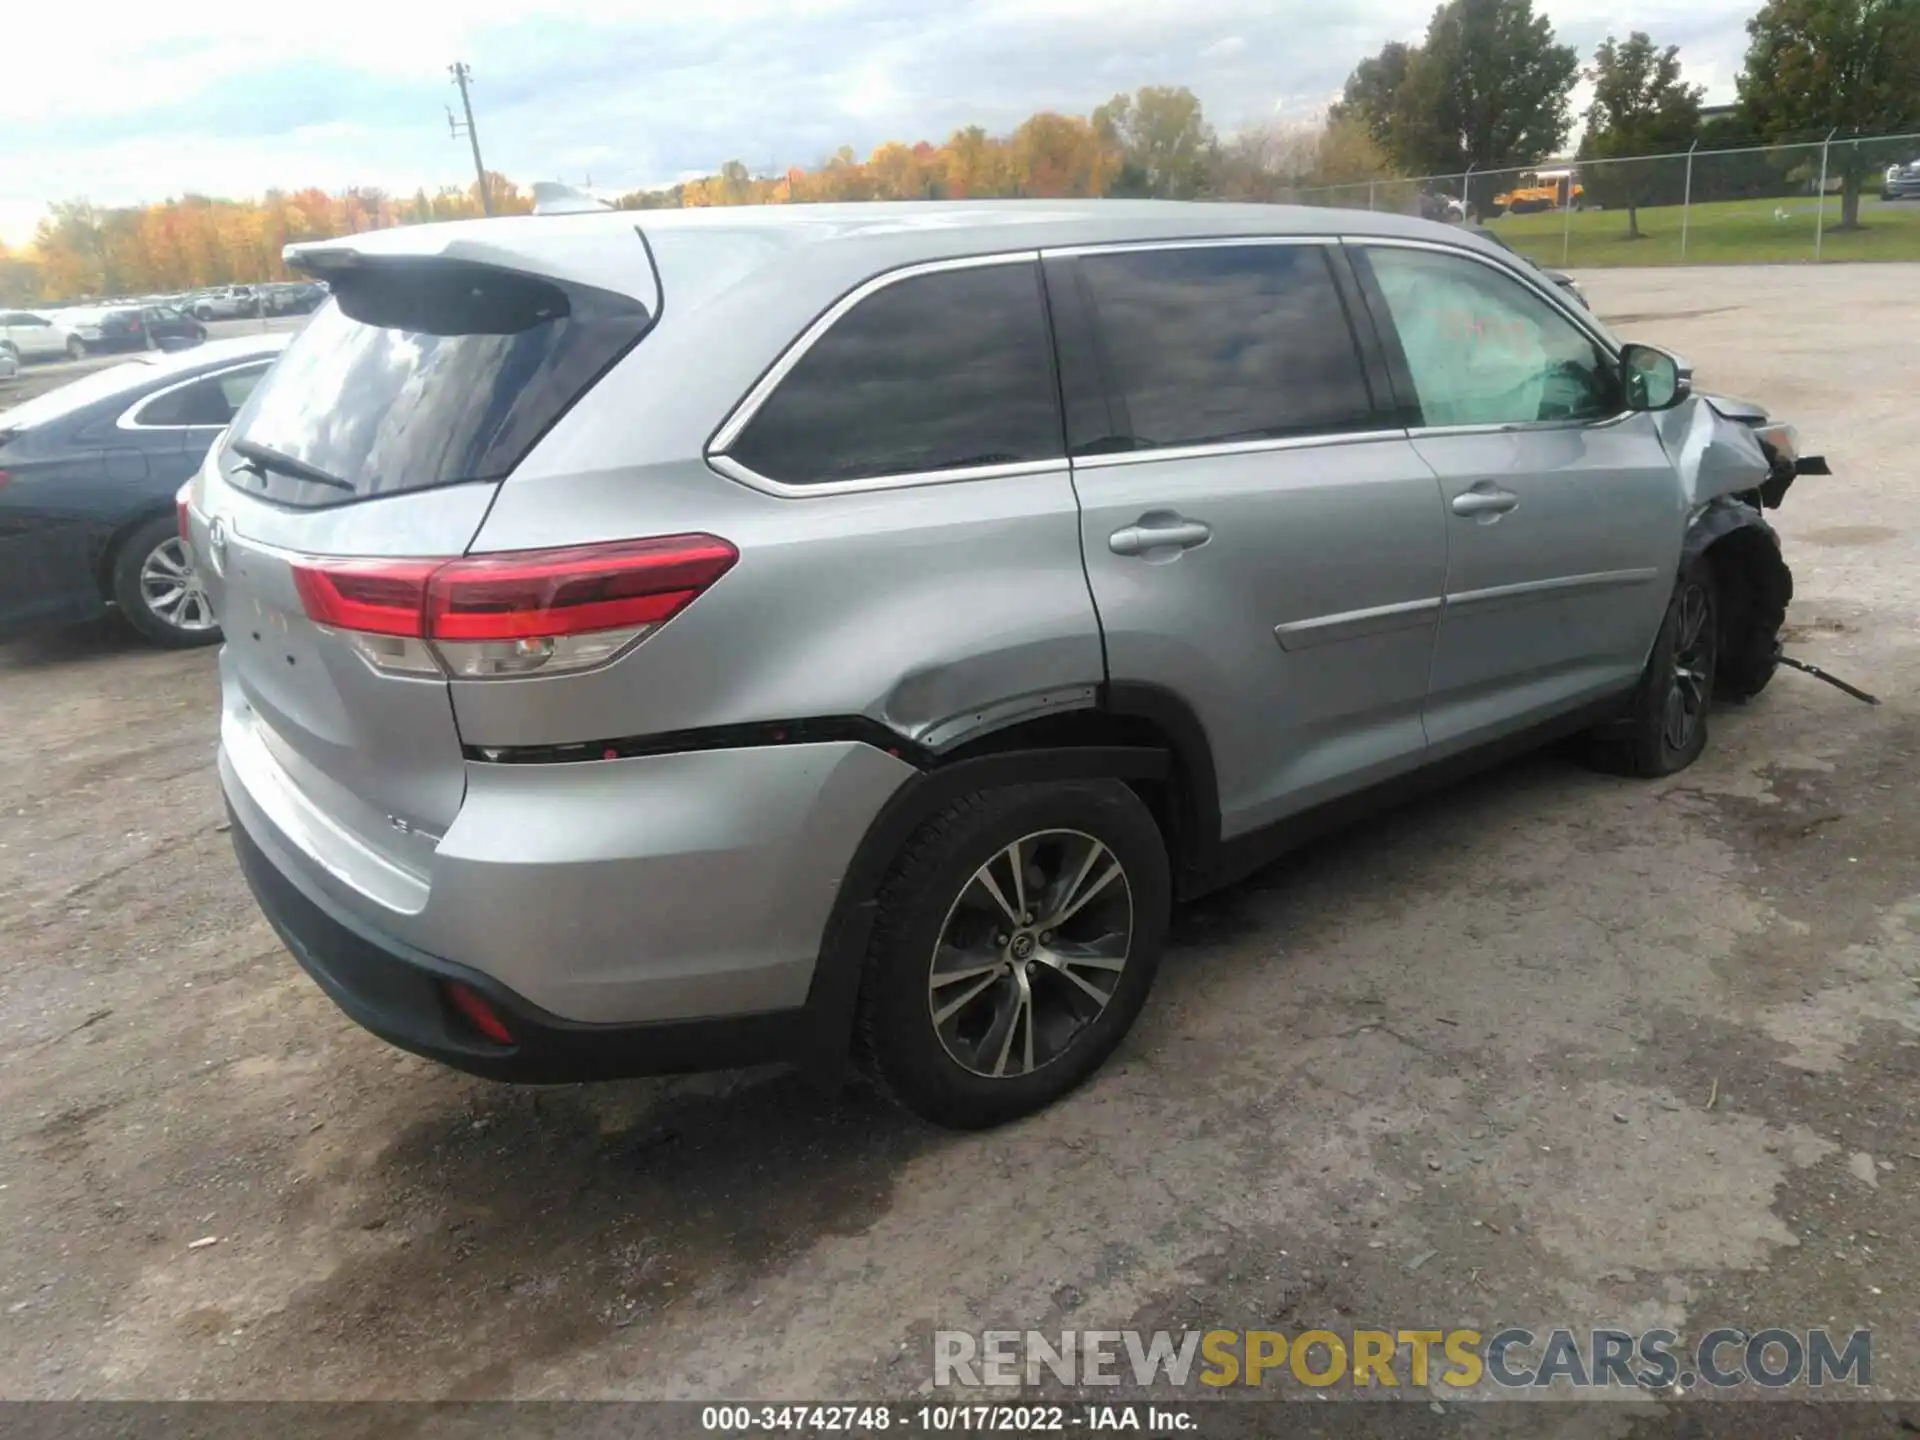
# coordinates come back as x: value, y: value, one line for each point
x: 1057, y: 155
x: 1278, y: 161
x: 1640, y: 108
x: 19, y: 277
x: 1161, y: 140
x: 1818, y: 66
x: 977, y: 164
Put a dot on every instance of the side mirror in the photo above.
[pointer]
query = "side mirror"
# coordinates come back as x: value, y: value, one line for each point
x: 1654, y: 379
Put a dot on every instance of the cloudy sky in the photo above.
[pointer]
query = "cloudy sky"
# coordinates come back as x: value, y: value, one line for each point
x: 229, y: 97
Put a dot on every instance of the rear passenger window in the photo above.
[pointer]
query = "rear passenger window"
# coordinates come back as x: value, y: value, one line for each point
x: 209, y: 402
x: 1216, y: 344
x: 947, y: 371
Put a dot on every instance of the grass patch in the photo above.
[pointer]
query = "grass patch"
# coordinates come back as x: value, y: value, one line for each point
x: 1725, y: 232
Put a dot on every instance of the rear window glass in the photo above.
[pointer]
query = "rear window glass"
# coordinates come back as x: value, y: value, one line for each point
x: 428, y: 373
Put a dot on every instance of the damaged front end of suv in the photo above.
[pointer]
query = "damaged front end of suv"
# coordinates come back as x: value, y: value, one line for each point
x: 1738, y: 462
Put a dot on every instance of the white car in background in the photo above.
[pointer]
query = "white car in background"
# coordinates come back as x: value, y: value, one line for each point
x: 28, y: 336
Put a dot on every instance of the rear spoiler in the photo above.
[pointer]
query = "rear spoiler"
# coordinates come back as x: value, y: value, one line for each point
x: 600, y: 248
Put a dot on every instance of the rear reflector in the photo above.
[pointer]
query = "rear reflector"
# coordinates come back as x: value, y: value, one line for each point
x: 516, y: 612
x: 478, y: 1013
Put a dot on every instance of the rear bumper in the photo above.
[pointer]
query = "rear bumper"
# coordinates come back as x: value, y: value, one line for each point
x: 399, y: 993
x: 637, y: 916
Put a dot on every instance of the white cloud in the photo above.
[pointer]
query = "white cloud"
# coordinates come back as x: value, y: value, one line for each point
x: 231, y: 97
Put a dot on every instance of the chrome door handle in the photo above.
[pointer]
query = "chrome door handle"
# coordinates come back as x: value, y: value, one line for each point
x: 1484, y: 502
x: 1154, y: 534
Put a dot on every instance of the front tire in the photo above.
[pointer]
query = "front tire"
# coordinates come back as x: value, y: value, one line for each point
x: 1016, y: 941
x: 1665, y: 727
x: 158, y: 590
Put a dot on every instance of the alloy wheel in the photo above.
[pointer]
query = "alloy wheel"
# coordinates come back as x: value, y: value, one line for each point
x: 1031, y: 953
x: 1692, y: 682
x: 170, y: 587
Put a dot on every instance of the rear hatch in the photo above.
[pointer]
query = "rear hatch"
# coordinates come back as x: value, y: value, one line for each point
x: 362, y: 464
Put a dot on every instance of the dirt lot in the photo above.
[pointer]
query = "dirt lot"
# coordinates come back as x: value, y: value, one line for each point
x: 1611, y: 1052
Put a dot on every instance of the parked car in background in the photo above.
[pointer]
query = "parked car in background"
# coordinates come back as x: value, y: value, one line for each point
x: 230, y: 302
x: 171, y: 328
x: 28, y: 336
x: 292, y: 298
x: 952, y: 585
x: 109, y: 329
x: 88, y: 474
x: 1902, y: 181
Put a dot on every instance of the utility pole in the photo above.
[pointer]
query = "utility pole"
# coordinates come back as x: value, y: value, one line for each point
x: 461, y: 76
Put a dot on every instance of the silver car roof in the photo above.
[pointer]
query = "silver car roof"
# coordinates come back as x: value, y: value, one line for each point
x: 601, y: 249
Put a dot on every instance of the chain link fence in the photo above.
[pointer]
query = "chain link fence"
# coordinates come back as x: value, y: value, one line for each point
x: 1854, y: 198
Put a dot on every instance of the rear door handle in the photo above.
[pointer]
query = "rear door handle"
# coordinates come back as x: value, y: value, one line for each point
x: 1484, y: 502
x: 1159, y: 533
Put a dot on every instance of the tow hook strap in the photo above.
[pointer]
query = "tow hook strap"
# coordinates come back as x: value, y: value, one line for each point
x: 1819, y: 674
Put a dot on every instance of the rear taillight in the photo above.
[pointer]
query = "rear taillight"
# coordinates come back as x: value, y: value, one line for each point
x: 514, y: 613
x: 183, y: 516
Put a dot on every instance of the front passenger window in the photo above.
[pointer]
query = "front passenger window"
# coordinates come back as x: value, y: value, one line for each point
x: 1484, y: 350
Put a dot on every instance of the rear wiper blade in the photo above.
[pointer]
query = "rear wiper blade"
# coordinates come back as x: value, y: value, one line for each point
x: 264, y: 457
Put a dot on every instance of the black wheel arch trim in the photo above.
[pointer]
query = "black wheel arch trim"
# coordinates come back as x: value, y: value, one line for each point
x: 836, y: 977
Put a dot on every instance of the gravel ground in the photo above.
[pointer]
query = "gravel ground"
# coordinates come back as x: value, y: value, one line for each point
x: 1602, y: 1052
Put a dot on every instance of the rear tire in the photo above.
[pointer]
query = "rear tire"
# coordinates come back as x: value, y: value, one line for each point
x: 157, y: 591
x: 1665, y: 727
x: 1017, y: 1012
x: 76, y: 348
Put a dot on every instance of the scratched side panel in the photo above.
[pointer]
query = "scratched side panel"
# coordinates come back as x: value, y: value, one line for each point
x: 919, y: 607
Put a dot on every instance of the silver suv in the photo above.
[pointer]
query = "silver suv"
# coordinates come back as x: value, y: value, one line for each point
x: 775, y: 634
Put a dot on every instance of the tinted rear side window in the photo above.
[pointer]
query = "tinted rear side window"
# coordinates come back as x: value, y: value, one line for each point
x: 945, y: 371
x: 428, y: 373
x: 1221, y: 343
x: 210, y: 402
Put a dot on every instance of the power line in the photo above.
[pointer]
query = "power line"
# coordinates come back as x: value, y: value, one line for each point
x: 462, y: 75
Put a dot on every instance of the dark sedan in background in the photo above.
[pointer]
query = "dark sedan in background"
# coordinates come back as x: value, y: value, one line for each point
x: 113, y: 328
x: 87, y: 480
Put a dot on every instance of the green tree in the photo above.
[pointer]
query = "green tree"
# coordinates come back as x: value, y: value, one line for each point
x: 1853, y: 66
x: 1373, y: 94
x: 1487, y: 88
x: 1162, y: 140
x: 1640, y: 107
